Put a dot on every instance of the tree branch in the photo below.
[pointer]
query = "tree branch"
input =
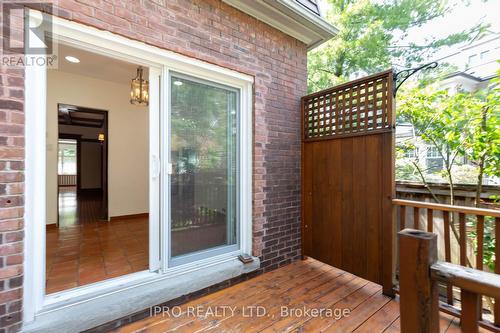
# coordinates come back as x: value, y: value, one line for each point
x: 426, y: 185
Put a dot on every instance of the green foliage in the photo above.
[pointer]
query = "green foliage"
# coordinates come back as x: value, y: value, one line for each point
x: 483, y: 139
x: 462, y: 124
x: 437, y: 117
x: 406, y: 171
x: 465, y: 174
x: 203, y: 125
x: 488, y: 241
x: 371, y: 35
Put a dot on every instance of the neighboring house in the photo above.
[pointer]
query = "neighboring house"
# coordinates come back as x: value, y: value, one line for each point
x: 477, y: 63
x: 177, y: 172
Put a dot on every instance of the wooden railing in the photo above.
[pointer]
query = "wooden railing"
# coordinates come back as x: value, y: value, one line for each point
x: 197, y: 200
x: 420, y: 273
x: 443, y: 220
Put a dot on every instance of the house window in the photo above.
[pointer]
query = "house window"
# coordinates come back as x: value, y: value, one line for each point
x: 411, y: 153
x: 433, y: 152
x: 66, y: 161
x: 484, y: 54
x: 434, y: 160
x: 473, y: 59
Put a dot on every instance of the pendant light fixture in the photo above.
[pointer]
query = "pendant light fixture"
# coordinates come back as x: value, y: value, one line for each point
x: 139, y: 89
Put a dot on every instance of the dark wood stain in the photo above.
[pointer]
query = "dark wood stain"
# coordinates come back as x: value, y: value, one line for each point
x: 347, y: 181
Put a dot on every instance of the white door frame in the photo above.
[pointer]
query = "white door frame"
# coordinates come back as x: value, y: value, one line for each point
x: 155, y: 78
x: 159, y: 62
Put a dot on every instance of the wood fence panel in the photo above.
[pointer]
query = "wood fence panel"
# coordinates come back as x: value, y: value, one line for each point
x: 307, y: 204
x: 347, y: 177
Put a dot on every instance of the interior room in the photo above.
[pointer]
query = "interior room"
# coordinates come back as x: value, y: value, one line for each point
x: 97, y: 169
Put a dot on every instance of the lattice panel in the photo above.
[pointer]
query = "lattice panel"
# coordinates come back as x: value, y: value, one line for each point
x: 352, y: 108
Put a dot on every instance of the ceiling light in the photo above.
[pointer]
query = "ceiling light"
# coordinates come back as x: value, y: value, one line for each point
x: 72, y: 59
x: 178, y: 83
x: 139, y: 89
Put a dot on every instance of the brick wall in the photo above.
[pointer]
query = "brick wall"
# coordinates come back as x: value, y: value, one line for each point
x: 11, y: 196
x: 205, y: 29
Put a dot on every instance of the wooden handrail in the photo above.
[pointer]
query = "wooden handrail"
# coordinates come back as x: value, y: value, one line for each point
x: 473, y: 280
x: 419, y: 276
x: 448, y: 208
x: 448, y: 226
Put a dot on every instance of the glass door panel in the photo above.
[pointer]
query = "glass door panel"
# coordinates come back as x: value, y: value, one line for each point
x: 204, y: 179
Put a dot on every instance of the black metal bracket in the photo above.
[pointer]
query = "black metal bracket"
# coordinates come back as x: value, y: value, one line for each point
x: 401, y: 76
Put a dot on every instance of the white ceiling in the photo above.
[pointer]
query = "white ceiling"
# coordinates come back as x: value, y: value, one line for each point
x: 96, y: 66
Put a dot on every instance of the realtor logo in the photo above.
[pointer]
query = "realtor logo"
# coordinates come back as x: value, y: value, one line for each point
x: 26, y: 32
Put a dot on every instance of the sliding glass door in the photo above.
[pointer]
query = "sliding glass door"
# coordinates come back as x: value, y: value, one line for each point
x: 204, y: 180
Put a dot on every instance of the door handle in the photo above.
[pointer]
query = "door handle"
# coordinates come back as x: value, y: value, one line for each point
x: 155, y: 170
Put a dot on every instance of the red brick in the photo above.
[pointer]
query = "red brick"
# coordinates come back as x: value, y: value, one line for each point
x: 11, y: 248
x: 212, y: 31
x: 15, y: 259
x: 10, y: 295
x: 11, y: 213
x: 10, y: 271
x: 15, y: 188
x: 9, y: 225
x: 13, y: 237
x: 11, y: 176
x: 11, y: 201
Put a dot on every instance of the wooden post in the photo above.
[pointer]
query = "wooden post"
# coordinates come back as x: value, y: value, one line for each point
x: 471, y: 304
x: 418, y: 292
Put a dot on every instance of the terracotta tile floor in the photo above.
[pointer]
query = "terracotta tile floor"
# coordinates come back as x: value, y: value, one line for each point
x: 80, y: 254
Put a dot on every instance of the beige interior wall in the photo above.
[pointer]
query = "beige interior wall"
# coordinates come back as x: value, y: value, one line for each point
x: 127, y: 134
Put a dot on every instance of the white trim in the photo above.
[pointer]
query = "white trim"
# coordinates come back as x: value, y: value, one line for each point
x: 88, y: 313
x: 246, y: 167
x: 35, y: 196
x: 90, y: 292
x: 154, y: 168
x: 289, y: 17
x: 166, y: 170
x: 106, y: 43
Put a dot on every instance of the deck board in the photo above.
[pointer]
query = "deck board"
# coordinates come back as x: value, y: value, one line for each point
x: 307, y: 284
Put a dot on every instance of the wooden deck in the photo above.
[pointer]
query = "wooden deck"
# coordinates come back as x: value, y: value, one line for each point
x: 344, y: 303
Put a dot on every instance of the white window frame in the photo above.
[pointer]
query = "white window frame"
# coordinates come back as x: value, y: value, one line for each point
x: 160, y: 62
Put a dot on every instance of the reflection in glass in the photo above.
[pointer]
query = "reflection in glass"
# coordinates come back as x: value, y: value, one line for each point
x: 204, y: 134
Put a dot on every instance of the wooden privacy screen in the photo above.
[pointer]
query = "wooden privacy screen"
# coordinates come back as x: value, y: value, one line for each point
x: 347, y: 177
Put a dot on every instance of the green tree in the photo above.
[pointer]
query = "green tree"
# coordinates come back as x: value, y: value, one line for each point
x: 438, y: 121
x: 482, y: 141
x: 465, y: 124
x: 371, y: 38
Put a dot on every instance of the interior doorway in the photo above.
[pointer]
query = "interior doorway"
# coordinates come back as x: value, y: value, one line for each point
x: 82, y: 164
